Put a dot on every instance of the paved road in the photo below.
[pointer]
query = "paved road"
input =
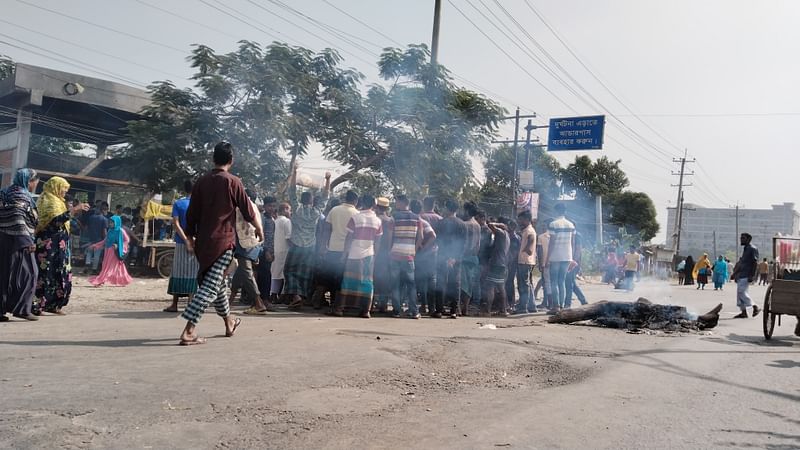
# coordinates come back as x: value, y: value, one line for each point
x: 117, y: 380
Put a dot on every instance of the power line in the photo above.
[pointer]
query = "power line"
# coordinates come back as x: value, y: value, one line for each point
x: 186, y: 19
x: 592, y: 73
x: 113, y: 30
x: 74, y: 44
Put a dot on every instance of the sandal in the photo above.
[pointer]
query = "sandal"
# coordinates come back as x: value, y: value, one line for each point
x: 252, y: 311
x: 169, y: 310
x: 236, y: 324
x: 195, y: 341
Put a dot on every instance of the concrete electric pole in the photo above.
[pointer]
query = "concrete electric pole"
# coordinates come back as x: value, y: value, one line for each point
x: 437, y: 15
x: 679, y: 206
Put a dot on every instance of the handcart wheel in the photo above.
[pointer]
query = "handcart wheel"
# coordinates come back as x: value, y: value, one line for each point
x: 164, y: 265
x: 769, y: 316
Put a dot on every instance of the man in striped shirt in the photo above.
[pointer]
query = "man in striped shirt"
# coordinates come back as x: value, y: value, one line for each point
x: 406, y: 238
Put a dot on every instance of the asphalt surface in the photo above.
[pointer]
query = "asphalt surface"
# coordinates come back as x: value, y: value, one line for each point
x: 110, y: 375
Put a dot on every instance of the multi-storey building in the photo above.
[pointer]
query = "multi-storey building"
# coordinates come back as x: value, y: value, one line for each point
x: 701, y: 226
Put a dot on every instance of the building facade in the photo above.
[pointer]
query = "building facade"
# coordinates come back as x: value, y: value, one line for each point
x: 703, y: 226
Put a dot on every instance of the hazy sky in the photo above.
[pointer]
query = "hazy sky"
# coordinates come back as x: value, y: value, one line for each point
x: 718, y: 78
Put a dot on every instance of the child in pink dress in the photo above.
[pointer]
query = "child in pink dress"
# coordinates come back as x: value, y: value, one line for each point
x: 114, y: 272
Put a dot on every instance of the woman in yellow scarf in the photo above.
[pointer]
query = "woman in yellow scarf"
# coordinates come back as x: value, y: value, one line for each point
x: 53, y: 247
x: 701, y: 271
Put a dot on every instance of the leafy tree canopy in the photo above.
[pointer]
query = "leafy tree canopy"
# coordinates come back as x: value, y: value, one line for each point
x: 635, y: 213
x: 589, y: 179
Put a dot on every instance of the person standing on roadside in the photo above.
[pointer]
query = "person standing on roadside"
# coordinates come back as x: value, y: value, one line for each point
x: 18, y: 265
x: 631, y: 268
x: 283, y: 231
x: 763, y: 272
x: 210, y: 226
x: 451, y: 237
x: 407, y: 236
x: 246, y: 253
x: 183, y: 278
x: 427, y: 255
x: 363, y: 232
x: 497, y: 273
x: 267, y: 254
x: 331, y: 268
x: 744, y: 273
x: 526, y: 260
x: 559, y: 255
x: 382, y: 274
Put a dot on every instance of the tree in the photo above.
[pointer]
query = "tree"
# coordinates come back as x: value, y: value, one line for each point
x: 268, y: 102
x: 6, y: 67
x: 589, y: 179
x: 635, y: 213
x: 419, y: 132
x: 54, y: 146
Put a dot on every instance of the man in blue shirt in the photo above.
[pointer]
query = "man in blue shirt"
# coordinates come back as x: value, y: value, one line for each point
x: 96, y: 227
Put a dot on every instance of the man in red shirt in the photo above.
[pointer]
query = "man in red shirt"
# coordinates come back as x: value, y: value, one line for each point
x: 210, y: 227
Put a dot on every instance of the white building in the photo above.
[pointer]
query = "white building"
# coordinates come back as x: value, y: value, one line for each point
x: 702, y: 225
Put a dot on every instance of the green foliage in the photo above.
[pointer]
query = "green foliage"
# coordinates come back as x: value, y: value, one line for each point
x: 6, y: 67
x: 634, y: 213
x: 55, y: 146
x: 589, y: 179
x: 269, y: 102
x: 419, y: 132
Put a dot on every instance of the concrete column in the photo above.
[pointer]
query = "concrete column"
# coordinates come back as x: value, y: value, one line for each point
x: 20, y: 157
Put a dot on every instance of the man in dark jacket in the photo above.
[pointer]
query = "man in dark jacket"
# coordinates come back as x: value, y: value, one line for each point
x: 744, y: 273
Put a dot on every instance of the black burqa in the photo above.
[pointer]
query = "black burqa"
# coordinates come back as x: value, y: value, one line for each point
x: 688, y: 271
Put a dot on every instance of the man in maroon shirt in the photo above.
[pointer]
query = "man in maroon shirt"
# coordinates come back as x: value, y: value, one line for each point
x: 211, y: 227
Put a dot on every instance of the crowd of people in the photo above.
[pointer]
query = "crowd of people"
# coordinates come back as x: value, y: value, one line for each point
x: 360, y: 254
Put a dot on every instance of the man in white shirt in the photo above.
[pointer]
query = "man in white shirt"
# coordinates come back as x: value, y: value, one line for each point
x: 525, y: 262
x: 334, y: 234
x: 559, y: 254
x: 283, y: 232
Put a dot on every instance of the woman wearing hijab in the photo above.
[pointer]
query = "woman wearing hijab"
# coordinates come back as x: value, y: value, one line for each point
x: 701, y: 270
x: 720, y: 273
x: 116, y: 246
x: 18, y: 270
x: 689, y: 268
x: 53, y: 247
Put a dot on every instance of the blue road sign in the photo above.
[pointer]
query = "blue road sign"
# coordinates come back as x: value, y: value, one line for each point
x: 576, y: 133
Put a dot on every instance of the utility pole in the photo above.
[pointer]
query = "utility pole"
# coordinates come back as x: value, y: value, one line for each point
x: 437, y: 15
x: 515, y: 149
x: 736, y: 238
x: 681, y: 208
x: 714, y: 233
x: 680, y: 186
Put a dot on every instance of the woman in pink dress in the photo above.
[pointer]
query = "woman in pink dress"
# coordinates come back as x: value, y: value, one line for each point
x: 116, y: 244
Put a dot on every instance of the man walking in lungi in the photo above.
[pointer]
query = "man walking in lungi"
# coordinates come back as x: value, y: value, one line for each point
x: 210, y: 227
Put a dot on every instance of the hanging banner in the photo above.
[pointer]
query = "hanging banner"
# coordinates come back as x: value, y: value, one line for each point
x: 529, y: 201
x: 525, y: 179
x: 576, y: 133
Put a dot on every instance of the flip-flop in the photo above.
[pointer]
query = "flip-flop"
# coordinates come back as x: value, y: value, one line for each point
x: 236, y: 324
x: 196, y: 341
x: 254, y: 312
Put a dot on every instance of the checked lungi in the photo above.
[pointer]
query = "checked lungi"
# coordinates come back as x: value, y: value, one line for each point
x: 183, y: 279
x: 357, y: 286
x: 211, y: 289
x: 299, y: 271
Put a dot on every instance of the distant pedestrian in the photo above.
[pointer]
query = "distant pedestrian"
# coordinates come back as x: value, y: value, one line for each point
x: 688, y: 278
x: 681, y: 269
x: 720, y: 275
x: 631, y: 268
x: 114, y: 272
x: 744, y: 273
x: 210, y: 226
x: 701, y: 270
x: 763, y: 272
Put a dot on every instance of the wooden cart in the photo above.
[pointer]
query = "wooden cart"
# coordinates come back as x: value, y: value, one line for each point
x: 783, y: 294
x: 161, y: 252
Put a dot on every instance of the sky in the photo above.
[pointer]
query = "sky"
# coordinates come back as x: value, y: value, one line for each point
x: 714, y: 78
